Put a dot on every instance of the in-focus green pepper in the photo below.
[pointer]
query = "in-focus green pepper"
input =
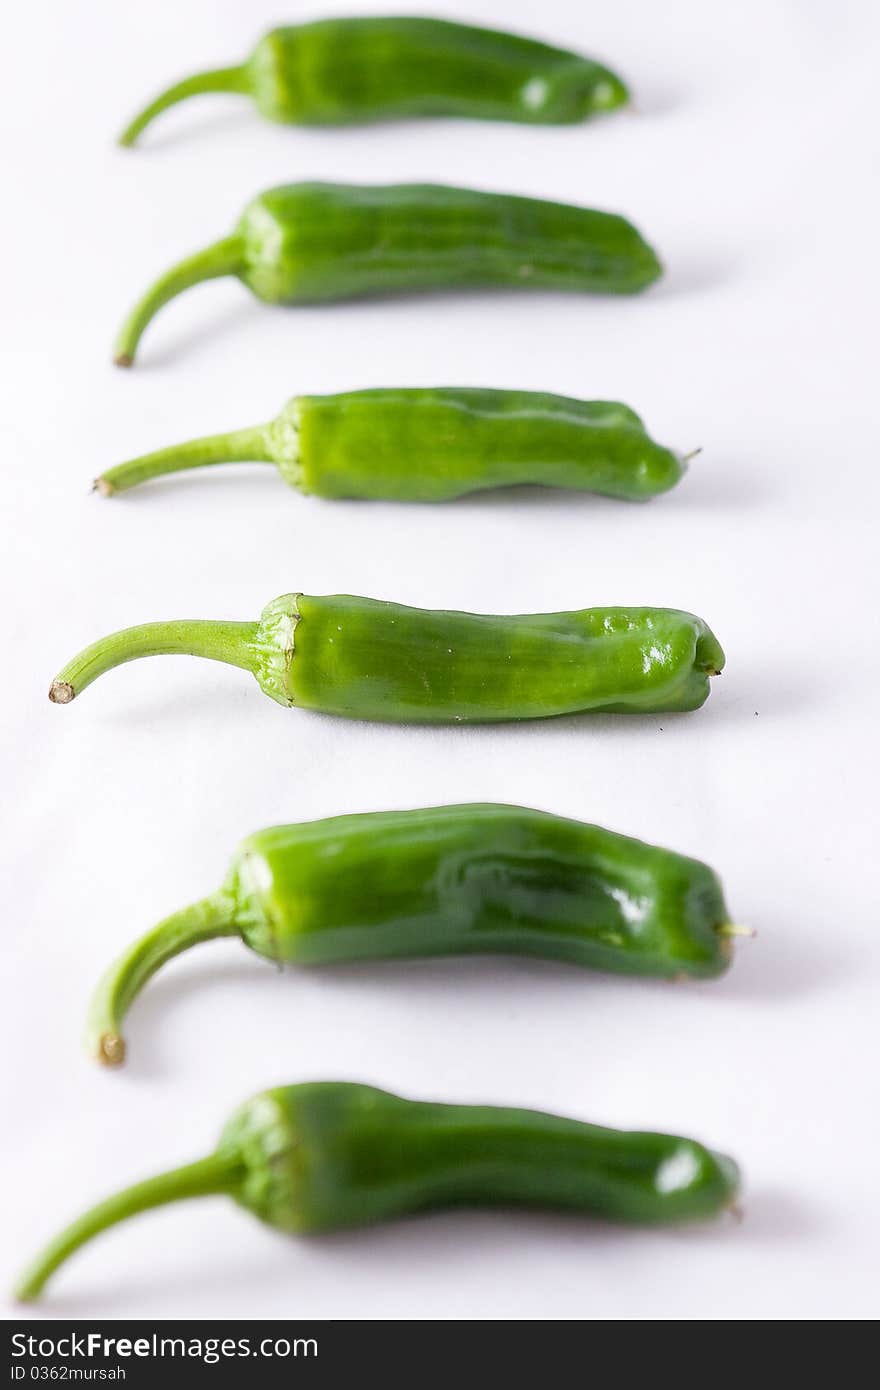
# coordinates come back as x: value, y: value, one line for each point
x: 327, y: 1155
x: 310, y: 243
x: 367, y: 659
x: 446, y: 881
x: 431, y: 445
x: 342, y: 71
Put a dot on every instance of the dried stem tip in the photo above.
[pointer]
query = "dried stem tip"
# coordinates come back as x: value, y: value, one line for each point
x: 111, y: 1050
x: 61, y: 692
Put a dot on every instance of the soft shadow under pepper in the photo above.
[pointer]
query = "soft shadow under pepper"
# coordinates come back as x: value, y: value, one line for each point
x: 313, y: 243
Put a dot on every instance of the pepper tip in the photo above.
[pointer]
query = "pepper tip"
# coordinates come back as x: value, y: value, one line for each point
x: 61, y: 692
x: 111, y: 1050
x: 729, y: 932
x: 123, y: 359
x: 103, y: 486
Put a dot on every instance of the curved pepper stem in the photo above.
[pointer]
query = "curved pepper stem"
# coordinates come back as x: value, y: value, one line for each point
x: 218, y: 1173
x: 207, y: 920
x: 224, y: 257
x: 237, y: 446
x: 235, y: 79
x: 218, y: 641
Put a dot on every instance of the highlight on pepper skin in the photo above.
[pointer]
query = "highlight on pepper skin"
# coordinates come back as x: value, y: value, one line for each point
x: 433, y: 444
x: 332, y: 1155
x: 442, y: 881
x: 363, y: 658
x: 367, y: 69
x: 316, y: 243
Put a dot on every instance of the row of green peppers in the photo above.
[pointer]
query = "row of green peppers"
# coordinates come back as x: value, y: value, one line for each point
x: 448, y: 880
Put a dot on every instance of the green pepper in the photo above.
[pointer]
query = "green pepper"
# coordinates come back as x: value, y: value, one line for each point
x: 367, y: 659
x: 342, y: 71
x: 430, y: 445
x: 446, y: 881
x: 327, y: 1155
x: 310, y: 243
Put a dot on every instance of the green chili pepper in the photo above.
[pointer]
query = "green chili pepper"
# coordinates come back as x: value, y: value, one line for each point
x: 430, y: 445
x: 367, y: 659
x: 310, y: 243
x: 342, y: 71
x: 446, y: 881
x: 327, y: 1155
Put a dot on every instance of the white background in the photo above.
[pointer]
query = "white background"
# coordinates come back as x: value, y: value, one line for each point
x: 752, y: 166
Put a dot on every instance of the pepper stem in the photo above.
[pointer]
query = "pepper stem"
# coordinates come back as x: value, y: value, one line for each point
x: 204, y: 921
x: 224, y: 257
x: 207, y: 1177
x: 218, y: 641
x: 237, y: 446
x: 235, y: 79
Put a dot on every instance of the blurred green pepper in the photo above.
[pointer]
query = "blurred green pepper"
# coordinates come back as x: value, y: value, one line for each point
x: 342, y: 71
x: 311, y: 243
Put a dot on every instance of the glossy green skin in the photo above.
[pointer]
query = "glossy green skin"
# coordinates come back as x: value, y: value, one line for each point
x: 339, y: 71
x: 307, y: 243
x: 367, y: 659
x: 431, y: 445
x: 477, y: 879
x: 328, y: 1155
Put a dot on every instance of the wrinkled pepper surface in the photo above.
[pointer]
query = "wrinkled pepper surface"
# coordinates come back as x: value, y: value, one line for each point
x: 432, y: 445
x: 368, y: 659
